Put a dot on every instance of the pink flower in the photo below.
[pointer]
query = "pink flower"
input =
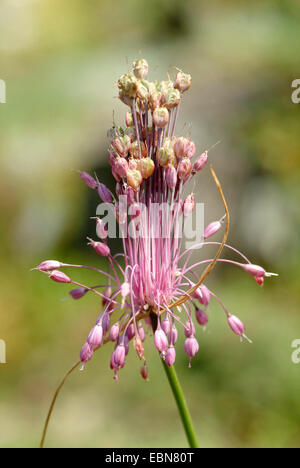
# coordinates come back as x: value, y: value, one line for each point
x: 152, y: 166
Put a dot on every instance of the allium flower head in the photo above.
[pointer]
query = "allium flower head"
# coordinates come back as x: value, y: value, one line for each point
x: 153, y: 275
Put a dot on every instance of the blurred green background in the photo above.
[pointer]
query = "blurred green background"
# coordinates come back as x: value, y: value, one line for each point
x: 59, y: 60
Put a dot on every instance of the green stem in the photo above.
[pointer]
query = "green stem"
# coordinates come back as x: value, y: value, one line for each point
x: 178, y: 395
x: 181, y: 405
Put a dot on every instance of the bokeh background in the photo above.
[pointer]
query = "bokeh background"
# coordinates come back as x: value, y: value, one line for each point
x: 59, y: 60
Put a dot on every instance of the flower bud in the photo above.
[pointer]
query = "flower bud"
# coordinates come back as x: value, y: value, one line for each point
x: 171, y: 98
x: 201, y: 317
x: 89, y: 180
x: 212, y: 229
x: 191, y: 150
x: 133, y: 164
x: 160, y: 340
x: 122, y: 145
x: 134, y: 179
x: 181, y: 147
x: 59, y: 277
x: 142, y: 91
x: 200, y: 162
x: 144, y: 371
x: 48, y: 265
x: 174, y: 335
x: 129, y: 119
x: 191, y: 347
x: 160, y: 117
x: 236, y: 325
x: 138, y: 346
x: 131, y: 132
x: 184, y: 168
x: 189, y: 205
x: 189, y: 329
x: 146, y: 167
x: 138, y: 150
x: 86, y: 353
x: 166, y: 325
x: 203, y: 295
x: 128, y: 85
x: 154, y: 99
x: 129, y: 192
x: 140, y: 68
x: 78, y: 293
x: 125, y: 99
x: 171, y: 177
x: 106, y: 296
x: 141, y: 331
x: 170, y: 356
x: 95, y: 336
x: 119, y: 355
x: 101, y: 248
x: 164, y: 155
x: 114, y: 332
x: 101, y: 229
x: 121, y: 166
x: 182, y: 81
x: 105, y: 322
x: 104, y: 193
x: 130, y: 332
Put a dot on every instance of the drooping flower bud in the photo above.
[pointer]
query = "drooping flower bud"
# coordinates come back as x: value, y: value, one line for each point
x: 160, y: 117
x: 86, y: 353
x: 189, y: 329
x: 114, y: 332
x: 104, y: 193
x: 171, y: 177
x: 48, y: 265
x: 166, y: 325
x: 59, y: 277
x: 140, y: 68
x: 144, y: 371
x: 160, y: 340
x: 201, y: 317
x: 105, y: 322
x: 141, y: 332
x: 200, y: 162
x: 191, y: 347
x: 78, y: 293
x: 89, y: 180
x: 202, y: 294
x: 95, y: 336
x: 236, y: 325
x: 101, y: 248
x: 181, y: 147
x: 146, y: 167
x: 182, y: 81
x: 130, y: 332
x: 134, y: 179
x: 138, y: 346
x: 174, y: 335
x: 256, y: 271
x: 170, y: 356
x: 184, y: 168
x: 119, y: 355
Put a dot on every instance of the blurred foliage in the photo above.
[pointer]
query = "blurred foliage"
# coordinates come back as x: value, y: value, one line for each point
x: 59, y: 60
